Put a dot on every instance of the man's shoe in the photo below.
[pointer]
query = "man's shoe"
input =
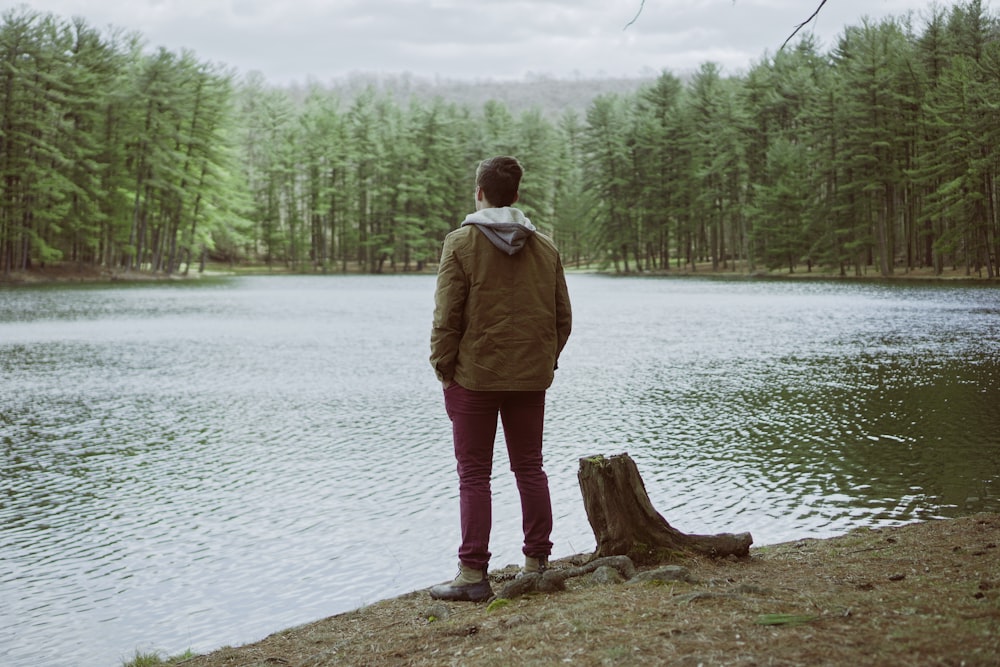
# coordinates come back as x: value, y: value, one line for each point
x: 469, y: 586
x: 536, y: 565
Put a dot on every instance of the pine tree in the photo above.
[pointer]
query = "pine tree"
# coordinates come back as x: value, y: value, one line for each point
x: 662, y: 164
x: 607, y: 174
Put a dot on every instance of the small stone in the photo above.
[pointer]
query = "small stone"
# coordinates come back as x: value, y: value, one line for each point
x: 667, y: 573
x: 606, y: 575
x: 513, y: 621
x: 436, y: 612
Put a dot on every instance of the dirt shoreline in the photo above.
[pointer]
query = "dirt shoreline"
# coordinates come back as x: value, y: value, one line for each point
x: 921, y: 594
x: 73, y: 273
x: 69, y: 274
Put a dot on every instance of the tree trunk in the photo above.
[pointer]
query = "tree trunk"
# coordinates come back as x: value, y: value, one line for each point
x: 626, y: 524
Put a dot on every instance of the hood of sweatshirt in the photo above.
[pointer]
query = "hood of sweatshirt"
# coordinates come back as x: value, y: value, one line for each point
x: 505, y: 227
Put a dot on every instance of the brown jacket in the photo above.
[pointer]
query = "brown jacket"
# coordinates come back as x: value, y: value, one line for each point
x: 500, y: 320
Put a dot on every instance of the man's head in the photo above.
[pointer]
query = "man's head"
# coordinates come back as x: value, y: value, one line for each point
x: 497, y: 180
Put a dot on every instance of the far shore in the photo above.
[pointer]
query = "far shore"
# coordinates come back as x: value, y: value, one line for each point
x: 69, y: 273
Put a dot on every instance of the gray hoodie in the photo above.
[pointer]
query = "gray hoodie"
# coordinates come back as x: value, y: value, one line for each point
x: 505, y: 227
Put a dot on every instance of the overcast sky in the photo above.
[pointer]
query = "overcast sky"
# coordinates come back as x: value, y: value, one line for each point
x: 301, y: 40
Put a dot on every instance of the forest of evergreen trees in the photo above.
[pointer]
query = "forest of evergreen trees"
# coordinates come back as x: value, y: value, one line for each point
x: 881, y: 155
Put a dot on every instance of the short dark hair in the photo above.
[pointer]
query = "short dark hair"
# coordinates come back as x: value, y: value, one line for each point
x: 499, y: 177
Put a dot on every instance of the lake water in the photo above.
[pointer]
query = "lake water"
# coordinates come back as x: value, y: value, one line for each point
x: 201, y: 464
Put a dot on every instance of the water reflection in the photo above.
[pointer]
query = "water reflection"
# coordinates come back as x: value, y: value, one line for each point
x: 191, y: 466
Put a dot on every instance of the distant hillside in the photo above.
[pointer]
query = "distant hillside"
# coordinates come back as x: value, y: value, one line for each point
x: 552, y: 96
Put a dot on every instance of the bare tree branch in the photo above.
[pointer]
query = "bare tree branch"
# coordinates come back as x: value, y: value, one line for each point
x: 636, y: 17
x: 799, y: 27
x: 803, y: 24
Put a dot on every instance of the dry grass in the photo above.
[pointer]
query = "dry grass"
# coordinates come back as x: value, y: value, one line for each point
x: 922, y: 594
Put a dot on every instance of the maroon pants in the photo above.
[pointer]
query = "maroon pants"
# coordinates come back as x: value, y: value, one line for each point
x: 474, y: 426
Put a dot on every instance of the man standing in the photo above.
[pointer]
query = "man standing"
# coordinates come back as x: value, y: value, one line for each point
x: 501, y: 318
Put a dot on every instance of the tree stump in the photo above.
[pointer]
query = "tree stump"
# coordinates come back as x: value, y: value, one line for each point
x: 626, y: 524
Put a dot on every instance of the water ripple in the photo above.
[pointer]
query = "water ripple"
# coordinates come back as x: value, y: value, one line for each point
x: 185, y: 467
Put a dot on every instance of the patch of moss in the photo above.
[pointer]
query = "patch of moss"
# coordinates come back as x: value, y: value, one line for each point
x: 499, y: 603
